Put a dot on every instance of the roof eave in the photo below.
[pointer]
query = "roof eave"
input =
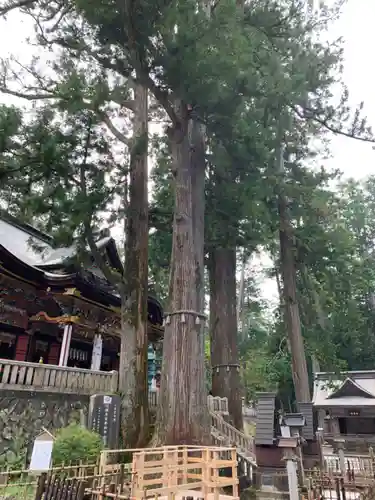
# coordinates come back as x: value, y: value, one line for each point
x: 18, y: 267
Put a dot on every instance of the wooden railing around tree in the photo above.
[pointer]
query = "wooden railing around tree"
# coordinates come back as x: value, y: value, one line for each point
x: 215, y: 403
x: 22, y: 376
x: 218, y: 405
x: 224, y: 434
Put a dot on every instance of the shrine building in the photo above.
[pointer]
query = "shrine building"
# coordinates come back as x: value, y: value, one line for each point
x: 59, y: 317
x: 345, y: 404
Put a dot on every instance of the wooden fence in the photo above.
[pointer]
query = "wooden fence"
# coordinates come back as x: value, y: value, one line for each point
x: 52, y: 487
x: 167, y: 471
x: 18, y: 375
x: 339, y: 488
x: 355, y: 465
x: 25, y: 485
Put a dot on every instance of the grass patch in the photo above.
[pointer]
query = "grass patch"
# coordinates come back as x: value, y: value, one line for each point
x: 18, y: 491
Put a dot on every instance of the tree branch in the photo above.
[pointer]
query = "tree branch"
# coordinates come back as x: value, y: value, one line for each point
x: 330, y: 128
x: 8, y: 7
x: 115, y: 131
x: 129, y: 104
x: 29, y: 97
x: 110, y: 276
x: 163, y: 99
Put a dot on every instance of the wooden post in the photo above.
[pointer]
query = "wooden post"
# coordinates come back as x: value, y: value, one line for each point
x: 234, y: 473
x: 81, y: 490
x: 170, y: 494
x: 103, y: 462
x: 184, y: 465
x: 141, y: 471
x: 102, y: 492
x: 320, y: 441
x: 40, y: 486
x: 165, y: 468
x: 134, y: 477
x: 214, y: 473
x: 205, y: 473
x: 340, y: 451
x: 174, y: 467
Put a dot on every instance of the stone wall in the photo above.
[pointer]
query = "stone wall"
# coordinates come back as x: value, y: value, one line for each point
x: 23, y: 415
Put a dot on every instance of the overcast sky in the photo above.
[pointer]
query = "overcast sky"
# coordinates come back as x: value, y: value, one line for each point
x: 356, y: 26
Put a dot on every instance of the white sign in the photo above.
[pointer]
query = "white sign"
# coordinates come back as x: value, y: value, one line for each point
x: 41, y: 456
x: 107, y: 400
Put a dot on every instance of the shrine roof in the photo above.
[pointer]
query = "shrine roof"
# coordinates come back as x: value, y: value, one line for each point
x: 31, y: 255
x: 37, y: 249
x: 355, y: 388
x: 23, y: 241
x: 60, y: 257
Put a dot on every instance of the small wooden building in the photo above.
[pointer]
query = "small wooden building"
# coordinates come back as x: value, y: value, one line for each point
x: 346, y: 405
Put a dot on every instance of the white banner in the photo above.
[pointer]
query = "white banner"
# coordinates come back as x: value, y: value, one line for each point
x: 97, y: 350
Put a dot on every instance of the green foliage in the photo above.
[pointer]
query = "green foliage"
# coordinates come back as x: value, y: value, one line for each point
x: 74, y: 444
x: 264, y: 356
x: 62, y: 171
x: 340, y: 269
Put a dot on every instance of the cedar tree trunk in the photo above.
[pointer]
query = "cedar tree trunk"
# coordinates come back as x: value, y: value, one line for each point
x: 223, y: 329
x: 292, y: 316
x: 182, y: 411
x: 198, y: 163
x: 134, y: 341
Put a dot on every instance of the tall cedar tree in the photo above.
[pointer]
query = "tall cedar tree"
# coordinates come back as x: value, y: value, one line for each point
x: 163, y: 46
x: 75, y: 208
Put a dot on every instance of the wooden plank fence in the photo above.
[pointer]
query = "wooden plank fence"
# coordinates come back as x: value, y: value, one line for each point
x: 52, y: 487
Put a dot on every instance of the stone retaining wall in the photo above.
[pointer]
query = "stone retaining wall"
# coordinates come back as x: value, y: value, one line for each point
x: 23, y: 415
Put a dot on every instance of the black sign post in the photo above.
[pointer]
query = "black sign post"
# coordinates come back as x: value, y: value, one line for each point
x: 104, y: 419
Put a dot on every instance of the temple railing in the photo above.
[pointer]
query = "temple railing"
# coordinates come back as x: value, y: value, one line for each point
x: 230, y: 436
x: 18, y: 375
x: 215, y: 404
x: 25, y: 376
x: 350, y: 437
x: 218, y: 405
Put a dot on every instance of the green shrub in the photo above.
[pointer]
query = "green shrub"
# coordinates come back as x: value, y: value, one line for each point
x: 74, y: 444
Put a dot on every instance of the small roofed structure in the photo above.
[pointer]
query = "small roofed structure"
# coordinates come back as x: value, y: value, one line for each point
x: 345, y: 404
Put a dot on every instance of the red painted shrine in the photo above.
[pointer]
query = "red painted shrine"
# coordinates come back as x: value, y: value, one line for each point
x: 56, y: 311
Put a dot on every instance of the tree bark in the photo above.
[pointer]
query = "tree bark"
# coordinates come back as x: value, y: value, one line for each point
x: 292, y: 316
x: 241, y: 300
x: 318, y: 312
x: 134, y: 341
x: 198, y: 164
x: 182, y: 411
x: 223, y: 330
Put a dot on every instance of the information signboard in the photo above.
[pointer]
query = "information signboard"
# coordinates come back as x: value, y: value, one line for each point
x: 42, y: 453
x: 104, y: 418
